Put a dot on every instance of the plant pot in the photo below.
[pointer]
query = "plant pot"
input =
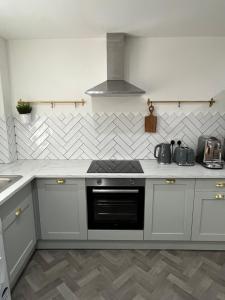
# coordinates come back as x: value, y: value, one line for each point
x: 25, y: 118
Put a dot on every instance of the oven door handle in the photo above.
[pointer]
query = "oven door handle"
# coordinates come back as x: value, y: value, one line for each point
x: 112, y: 191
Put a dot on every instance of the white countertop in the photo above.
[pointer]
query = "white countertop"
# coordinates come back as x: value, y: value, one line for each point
x: 31, y: 169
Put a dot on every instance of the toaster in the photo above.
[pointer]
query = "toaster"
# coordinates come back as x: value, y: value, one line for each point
x: 184, y: 156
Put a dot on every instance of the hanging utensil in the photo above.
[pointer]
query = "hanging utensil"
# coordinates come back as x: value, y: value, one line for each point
x: 150, y: 121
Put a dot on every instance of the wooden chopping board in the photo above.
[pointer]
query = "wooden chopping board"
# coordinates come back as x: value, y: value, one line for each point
x: 150, y: 121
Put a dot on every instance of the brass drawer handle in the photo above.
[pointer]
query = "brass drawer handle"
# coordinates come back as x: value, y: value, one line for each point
x: 170, y: 181
x: 220, y: 184
x: 219, y: 196
x: 18, y: 212
x: 60, y: 181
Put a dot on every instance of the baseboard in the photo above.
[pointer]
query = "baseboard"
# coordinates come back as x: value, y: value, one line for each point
x: 130, y: 245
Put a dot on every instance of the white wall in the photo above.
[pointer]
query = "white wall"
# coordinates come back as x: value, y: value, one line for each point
x: 56, y: 69
x: 5, y: 99
x: 2, y: 48
x: 167, y: 68
x: 2, y: 109
x: 7, y: 134
x: 179, y: 68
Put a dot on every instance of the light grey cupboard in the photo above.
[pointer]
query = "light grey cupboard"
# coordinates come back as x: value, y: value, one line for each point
x: 62, y: 209
x: 18, y: 231
x: 209, y: 211
x: 168, y: 209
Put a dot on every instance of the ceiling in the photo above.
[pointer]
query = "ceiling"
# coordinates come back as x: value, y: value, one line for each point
x: 27, y: 19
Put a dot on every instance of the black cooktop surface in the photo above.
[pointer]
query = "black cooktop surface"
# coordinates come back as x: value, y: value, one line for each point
x: 115, y: 166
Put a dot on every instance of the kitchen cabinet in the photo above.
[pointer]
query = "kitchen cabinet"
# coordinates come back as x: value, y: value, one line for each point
x: 204, y: 185
x: 209, y: 211
x: 168, y: 209
x: 18, y: 231
x: 62, y: 208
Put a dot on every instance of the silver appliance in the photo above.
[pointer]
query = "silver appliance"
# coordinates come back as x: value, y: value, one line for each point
x: 115, y: 85
x: 4, y: 282
x: 209, y: 152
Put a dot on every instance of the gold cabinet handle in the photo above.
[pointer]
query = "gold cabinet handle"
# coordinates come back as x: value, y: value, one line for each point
x: 60, y: 181
x: 18, y: 212
x: 220, y: 184
x: 219, y: 196
x: 170, y: 181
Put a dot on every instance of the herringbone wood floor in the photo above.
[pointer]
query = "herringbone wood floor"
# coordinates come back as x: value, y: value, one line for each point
x: 123, y: 274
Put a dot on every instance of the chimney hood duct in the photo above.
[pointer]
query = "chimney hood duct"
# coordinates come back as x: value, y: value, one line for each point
x: 115, y: 85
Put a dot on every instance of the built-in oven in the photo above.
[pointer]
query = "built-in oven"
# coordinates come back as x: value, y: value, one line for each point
x: 115, y: 203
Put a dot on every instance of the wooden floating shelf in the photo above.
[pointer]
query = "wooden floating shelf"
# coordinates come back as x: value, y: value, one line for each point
x: 179, y: 102
x: 53, y: 102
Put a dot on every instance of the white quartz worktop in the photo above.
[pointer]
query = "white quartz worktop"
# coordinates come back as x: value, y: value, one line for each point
x: 31, y: 169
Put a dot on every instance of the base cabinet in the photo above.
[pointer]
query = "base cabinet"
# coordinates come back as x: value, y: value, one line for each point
x: 62, y: 208
x: 168, y: 209
x: 18, y: 231
x: 175, y: 210
x: 209, y: 216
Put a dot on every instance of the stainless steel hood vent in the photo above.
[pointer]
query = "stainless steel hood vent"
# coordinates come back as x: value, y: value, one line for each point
x: 115, y: 85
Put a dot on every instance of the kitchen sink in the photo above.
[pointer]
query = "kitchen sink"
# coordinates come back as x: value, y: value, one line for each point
x: 7, y: 181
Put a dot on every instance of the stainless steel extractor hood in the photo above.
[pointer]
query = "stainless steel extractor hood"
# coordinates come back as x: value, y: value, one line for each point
x: 115, y: 85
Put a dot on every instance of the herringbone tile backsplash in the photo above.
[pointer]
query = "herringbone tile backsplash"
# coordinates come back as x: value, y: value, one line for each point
x: 109, y: 136
x: 100, y: 135
x: 4, y: 150
x: 11, y: 138
x: 7, y: 140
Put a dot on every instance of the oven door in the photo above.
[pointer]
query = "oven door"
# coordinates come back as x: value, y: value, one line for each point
x: 115, y: 207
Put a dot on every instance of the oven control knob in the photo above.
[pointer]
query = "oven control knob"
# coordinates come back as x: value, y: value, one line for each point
x: 99, y: 181
x: 132, y: 181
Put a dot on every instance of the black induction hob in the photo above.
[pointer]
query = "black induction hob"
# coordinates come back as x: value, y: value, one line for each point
x: 115, y: 166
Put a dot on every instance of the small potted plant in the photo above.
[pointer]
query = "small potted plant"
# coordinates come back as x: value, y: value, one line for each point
x: 24, y: 109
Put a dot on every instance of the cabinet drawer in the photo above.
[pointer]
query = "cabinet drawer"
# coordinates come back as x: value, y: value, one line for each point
x: 60, y: 181
x: 210, y: 185
x: 168, y: 181
x: 16, y: 214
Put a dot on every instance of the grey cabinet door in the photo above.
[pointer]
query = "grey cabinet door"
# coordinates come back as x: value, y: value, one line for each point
x: 168, y: 209
x: 62, y: 207
x: 18, y: 231
x: 209, y: 216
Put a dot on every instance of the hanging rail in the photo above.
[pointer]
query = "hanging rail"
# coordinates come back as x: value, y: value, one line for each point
x: 210, y: 102
x: 53, y: 103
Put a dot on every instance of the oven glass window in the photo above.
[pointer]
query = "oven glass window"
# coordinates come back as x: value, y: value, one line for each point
x: 113, y: 209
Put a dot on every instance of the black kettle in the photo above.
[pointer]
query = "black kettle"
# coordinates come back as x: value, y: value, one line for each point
x: 164, y: 154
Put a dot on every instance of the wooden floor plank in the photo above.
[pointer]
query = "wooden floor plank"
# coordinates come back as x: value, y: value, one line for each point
x: 123, y: 275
